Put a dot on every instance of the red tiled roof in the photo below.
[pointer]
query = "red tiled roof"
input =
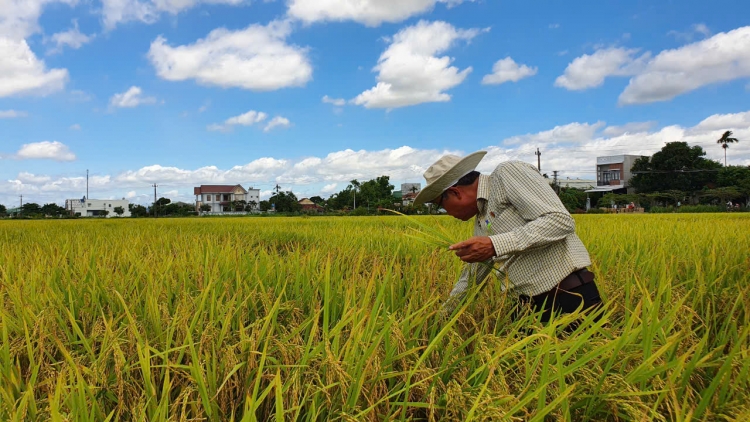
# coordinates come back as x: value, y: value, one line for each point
x: 215, y: 189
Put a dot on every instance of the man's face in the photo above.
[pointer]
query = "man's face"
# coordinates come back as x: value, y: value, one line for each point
x: 458, y: 202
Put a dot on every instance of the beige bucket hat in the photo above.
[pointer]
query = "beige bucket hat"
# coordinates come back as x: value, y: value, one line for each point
x: 445, y: 173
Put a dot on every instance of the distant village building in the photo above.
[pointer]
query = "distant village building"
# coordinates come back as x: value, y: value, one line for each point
x: 575, y: 183
x: 410, y: 188
x: 310, y: 206
x: 220, y: 196
x: 14, y: 211
x: 408, y: 198
x: 613, y: 173
x: 97, y: 207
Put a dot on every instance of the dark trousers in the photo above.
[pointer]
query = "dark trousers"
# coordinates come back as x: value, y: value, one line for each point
x: 579, y: 287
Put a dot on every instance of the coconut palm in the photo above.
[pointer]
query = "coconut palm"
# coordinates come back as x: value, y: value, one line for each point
x: 725, y: 140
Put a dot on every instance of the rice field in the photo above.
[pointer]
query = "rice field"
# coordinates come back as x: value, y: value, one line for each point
x: 337, y: 319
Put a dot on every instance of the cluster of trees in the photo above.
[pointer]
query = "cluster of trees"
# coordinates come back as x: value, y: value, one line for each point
x: 680, y: 173
x: 375, y: 193
x: 281, y: 202
x: 359, y: 197
x: 163, y: 207
x: 34, y: 210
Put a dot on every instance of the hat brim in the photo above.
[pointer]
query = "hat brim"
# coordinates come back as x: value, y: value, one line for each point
x: 449, y: 178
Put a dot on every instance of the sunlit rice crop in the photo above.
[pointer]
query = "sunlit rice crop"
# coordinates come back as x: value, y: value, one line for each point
x: 337, y: 319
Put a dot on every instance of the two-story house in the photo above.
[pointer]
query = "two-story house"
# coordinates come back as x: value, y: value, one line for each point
x: 613, y: 173
x: 219, y: 197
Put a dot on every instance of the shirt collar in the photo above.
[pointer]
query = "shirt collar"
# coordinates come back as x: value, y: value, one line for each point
x: 483, y: 189
x: 483, y: 192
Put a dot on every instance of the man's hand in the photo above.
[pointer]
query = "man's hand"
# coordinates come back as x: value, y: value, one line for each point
x: 476, y: 249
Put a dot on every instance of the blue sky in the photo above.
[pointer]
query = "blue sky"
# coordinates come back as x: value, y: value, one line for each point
x: 310, y: 94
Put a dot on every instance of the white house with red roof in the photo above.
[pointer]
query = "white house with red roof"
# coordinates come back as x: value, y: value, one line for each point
x: 219, y: 197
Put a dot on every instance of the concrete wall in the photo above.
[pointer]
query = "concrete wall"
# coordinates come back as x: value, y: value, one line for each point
x: 91, y: 207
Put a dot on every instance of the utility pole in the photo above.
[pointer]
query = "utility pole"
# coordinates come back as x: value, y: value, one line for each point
x: 21, y: 200
x: 87, y: 184
x: 538, y: 160
x: 557, y: 188
x: 154, y: 185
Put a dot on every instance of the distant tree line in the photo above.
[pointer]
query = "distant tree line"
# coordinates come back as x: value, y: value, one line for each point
x: 677, y: 174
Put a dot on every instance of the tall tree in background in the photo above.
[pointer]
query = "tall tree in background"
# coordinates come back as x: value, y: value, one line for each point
x: 677, y: 166
x: 285, y: 202
x: 725, y: 140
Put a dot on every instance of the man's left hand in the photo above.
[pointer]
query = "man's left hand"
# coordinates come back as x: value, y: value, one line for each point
x: 476, y: 249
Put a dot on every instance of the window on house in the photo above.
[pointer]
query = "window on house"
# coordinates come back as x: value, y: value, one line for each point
x: 616, y: 175
x: 208, y: 198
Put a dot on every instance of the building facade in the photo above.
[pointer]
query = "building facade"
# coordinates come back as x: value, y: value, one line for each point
x: 613, y: 173
x: 97, y: 207
x: 410, y: 188
x: 408, y: 198
x: 220, y: 197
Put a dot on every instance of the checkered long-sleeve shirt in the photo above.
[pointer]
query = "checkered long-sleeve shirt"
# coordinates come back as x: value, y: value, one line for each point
x: 532, y: 232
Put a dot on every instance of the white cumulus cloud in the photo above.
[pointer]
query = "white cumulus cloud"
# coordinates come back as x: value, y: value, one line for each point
x: 277, y: 121
x: 696, y: 29
x: 21, y: 72
x: 246, y: 119
x: 133, y: 97
x: 115, y: 12
x: 589, y: 71
x: 367, y: 12
x: 12, y: 114
x: 26, y: 177
x: 570, y: 133
x: 72, y: 38
x: 410, y: 73
x: 507, y: 70
x: 633, y: 127
x: 721, y: 58
x: 339, y: 102
x: 256, y: 58
x: 45, y: 150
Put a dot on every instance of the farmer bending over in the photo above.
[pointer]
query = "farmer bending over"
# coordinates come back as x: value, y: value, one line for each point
x: 520, y: 222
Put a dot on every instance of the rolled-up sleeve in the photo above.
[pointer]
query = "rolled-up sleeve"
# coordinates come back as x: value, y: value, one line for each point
x: 547, y: 219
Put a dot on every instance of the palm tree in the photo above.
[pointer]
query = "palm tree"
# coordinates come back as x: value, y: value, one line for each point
x: 725, y: 140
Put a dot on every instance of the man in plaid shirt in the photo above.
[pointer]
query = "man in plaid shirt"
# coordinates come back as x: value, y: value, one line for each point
x: 520, y: 223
